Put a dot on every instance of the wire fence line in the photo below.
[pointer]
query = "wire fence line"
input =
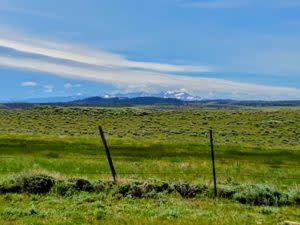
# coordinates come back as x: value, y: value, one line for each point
x: 201, y: 172
x: 231, y: 161
x: 253, y: 175
x: 207, y: 172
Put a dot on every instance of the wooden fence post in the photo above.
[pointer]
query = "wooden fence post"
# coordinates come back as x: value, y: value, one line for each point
x: 109, y: 159
x: 211, y: 135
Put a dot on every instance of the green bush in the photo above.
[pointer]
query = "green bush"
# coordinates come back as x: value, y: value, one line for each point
x: 136, y: 191
x: 100, y: 186
x: 201, y: 189
x: 226, y: 191
x: 124, y: 189
x: 36, y: 184
x: 260, y: 195
x: 81, y: 185
x: 63, y: 188
x: 295, y: 196
x: 10, y: 187
x: 71, y: 186
x: 158, y: 187
x: 263, y: 195
x: 186, y: 190
x: 29, y: 183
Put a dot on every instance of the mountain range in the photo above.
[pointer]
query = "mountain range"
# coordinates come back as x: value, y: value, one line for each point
x: 142, y: 98
x: 181, y: 95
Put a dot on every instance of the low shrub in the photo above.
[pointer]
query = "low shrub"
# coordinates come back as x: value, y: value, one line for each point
x: 158, y: 187
x: 29, y: 183
x: 81, y: 185
x: 188, y: 191
x: 99, y: 186
x: 201, y: 189
x: 263, y: 195
x: 260, y: 195
x: 226, y: 191
x: 36, y: 184
x: 10, y: 187
x: 136, y: 191
x: 69, y: 187
x: 62, y: 188
x: 295, y: 196
x: 124, y: 189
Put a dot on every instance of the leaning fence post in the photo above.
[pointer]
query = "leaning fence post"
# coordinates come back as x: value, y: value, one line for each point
x: 213, y: 159
x: 109, y: 159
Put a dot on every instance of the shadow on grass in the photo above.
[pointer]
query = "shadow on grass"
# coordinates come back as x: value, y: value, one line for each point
x: 134, y: 152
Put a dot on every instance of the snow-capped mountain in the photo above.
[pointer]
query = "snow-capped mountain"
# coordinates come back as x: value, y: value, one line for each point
x: 181, y: 95
x: 128, y: 95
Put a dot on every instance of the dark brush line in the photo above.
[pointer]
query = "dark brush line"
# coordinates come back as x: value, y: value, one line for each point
x: 152, y: 173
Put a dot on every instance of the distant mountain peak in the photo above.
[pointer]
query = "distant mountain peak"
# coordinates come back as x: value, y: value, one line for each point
x: 175, y: 94
x: 181, y: 94
x: 127, y: 101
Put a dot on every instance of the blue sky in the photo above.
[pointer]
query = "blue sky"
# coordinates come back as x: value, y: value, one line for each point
x: 240, y: 49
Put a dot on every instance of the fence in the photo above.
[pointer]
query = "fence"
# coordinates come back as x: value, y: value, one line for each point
x: 212, y: 171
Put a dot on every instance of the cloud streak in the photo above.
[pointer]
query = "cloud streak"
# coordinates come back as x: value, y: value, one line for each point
x: 69, y: 85
x: 65, y: 51
x: 77, y: 62
x: 152, y: 82
x: 28, y: 84
x: 48, y: 88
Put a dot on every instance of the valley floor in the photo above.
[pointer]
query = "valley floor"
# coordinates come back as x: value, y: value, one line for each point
x: 253, y: 146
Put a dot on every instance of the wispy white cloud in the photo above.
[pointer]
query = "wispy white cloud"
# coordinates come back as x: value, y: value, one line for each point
x: 130, y: 80
x: 48, y: 88
x: 28, y: 84
x: 76, y: 62
x: 69, y: 85
x: 66, y: 51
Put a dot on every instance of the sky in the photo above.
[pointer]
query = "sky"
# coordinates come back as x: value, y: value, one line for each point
x: 238, y: 49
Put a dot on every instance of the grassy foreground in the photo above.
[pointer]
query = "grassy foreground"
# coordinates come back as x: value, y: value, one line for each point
x: 87, y: 208
x: 77, y: 201
x: 253, y: 146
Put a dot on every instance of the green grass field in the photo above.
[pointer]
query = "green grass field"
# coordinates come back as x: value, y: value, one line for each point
x: 253, y: 146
